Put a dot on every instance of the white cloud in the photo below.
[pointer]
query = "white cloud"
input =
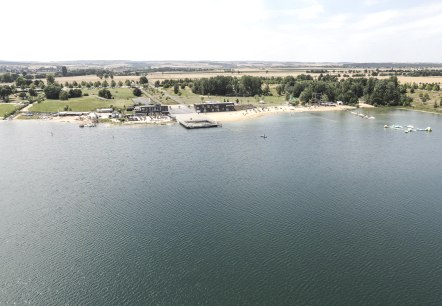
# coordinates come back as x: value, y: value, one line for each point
x: 334, y: 22
x: 312, y: 11
x: 215, y: 30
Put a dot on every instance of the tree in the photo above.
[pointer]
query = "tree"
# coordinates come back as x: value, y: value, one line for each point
x: 52, y: 92
x: 64, y: 70
x: 50, y: 79
x: 279, y: 90
x: 127, y: 83
x: 266, y: 90
x: 64, y: 95
x: 120, y: 83
x: 32, y: 92
x: 75, y: 93
x: 105, y: 84
x: 137, y: 92
x: 143, y: 80
x: 176, y: 89
x: 113, y: 84
x: 157, y: 83
x: 104, y: 93
x: 5, y: 92
x: 20, y: 81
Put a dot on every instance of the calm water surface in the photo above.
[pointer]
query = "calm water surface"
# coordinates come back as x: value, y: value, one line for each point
x: 329, y: 209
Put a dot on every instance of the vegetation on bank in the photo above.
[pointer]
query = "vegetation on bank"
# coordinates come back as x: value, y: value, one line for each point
x: 301, y: 89
x: 7, y: 109
x: 322, y: 85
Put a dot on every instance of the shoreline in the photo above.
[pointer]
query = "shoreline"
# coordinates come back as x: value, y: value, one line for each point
x: 258, y: 112
x: 419, y: 110
x: 221, y: 117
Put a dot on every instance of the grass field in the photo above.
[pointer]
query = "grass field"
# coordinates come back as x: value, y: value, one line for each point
x: 122, y: 97
x: 5, y: 108
x: 118, y: 93
x: 188, y: 97
x: 83, y: 104
x: 435, y: 97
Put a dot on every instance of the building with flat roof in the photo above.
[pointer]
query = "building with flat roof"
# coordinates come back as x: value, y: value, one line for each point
x: 151, y: 110
x: 210, y: 107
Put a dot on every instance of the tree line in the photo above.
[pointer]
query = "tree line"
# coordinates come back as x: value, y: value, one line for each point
x: 246, y: 86
x: 349, y: 91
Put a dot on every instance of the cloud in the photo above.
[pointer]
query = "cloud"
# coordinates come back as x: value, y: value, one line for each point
x: 284, y: 30
x: 334, y: 22
x: 306, y: 13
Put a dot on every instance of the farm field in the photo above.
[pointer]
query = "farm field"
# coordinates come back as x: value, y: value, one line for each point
x: 94, y: 78
x: 154, y: 76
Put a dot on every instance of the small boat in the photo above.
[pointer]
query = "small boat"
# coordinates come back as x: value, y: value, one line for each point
x: 263, y: 136
x: 81, y: 125
x: 371, y: 117
x: 427, y: 129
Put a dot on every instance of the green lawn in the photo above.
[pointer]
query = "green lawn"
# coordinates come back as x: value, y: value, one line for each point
x: 190, y: 98
x: 5, y: 108
x: 83, y: 104
x: 118, y: 93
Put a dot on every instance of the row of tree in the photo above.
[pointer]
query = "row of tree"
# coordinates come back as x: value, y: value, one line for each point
x: 372, y: 90
x: 245, y: 86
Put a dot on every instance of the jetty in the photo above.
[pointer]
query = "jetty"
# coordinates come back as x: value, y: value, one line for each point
x: 199, y: 123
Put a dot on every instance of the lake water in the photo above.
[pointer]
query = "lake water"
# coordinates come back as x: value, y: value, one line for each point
x: 329, y: 209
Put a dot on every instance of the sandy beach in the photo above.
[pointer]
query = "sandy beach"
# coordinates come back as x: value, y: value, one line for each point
x: 259, y: 112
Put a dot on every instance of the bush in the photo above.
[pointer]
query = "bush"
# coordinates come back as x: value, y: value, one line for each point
x: 85, y: 94
x: 52, y: 91
x: 137, y: 92
x: 75, y: 93
x: 64, y: 95
x: 104, y: 93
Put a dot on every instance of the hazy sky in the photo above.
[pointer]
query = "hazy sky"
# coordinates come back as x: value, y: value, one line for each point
x: 277, y: 30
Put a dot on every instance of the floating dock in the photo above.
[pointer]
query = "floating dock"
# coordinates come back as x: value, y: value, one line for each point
x: 198, y: 124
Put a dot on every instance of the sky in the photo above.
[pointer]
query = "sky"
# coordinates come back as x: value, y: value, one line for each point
x: 227, y: 30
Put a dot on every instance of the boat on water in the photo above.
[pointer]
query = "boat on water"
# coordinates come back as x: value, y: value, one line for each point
x: 87, y: 125
x: 263, y: 136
